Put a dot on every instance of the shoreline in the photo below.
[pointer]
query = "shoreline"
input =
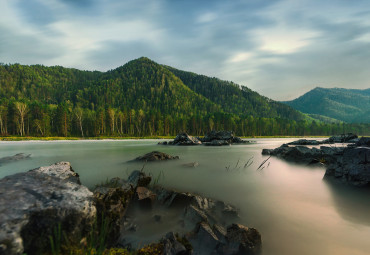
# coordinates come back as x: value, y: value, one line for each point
x: 33, y: 138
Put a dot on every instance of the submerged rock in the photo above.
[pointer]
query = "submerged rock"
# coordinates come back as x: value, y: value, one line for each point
x: 34, y: 203
x: 191, y: 164
x: 16, y: 157
x: 155, y: 156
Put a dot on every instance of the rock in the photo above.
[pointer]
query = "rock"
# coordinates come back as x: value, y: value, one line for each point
x: 172, y: 246
x: 155, y: 156
x: 191, y: 164
x: 145, y: 198
x: 217, y: 143
x: 204, y: 240
x: 62, y: 170
x: 304, y: 154
x: 363, y: 141
x: 185, y: 139
x: 16, y: 157
x: 343, y: 138
x: 353, y: 167
x: 139, y: 179
x: 113, y: 199
x: 305, y: 142
x: 194, y: 215
x: 242, y: 240
x: 162, y: 143
x: 219, y: 138
x: 32, y: 204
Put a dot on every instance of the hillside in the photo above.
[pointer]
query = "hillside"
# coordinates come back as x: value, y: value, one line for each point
x: 140, y: 98
x: 349, y: 105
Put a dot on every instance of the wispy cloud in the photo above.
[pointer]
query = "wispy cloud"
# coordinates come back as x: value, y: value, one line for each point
x: 279, y: 48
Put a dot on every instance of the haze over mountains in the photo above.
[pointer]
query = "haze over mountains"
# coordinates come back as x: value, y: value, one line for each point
x: 348, y: 105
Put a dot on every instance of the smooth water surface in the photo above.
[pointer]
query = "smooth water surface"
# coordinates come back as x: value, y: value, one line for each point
x: 296, y: 211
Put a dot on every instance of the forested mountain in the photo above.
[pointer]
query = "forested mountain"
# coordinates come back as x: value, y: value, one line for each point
x: 140, y: 98
x: 236, y: 99
x: 349, y: 105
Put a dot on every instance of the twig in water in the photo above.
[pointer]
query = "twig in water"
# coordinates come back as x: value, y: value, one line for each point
x: 263, y: 162
x: 237, y: 163
x: 249, y: 163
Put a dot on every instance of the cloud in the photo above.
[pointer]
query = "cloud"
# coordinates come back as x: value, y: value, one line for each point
x: 279, y: 48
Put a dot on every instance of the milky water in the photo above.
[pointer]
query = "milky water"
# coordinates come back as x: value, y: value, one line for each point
x: 295, y: 210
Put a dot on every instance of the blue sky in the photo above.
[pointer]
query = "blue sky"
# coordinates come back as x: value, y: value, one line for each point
x: 280, y: 49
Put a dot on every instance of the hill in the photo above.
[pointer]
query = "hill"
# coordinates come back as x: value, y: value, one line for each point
x: 349, y: 105
x: 140, y: 98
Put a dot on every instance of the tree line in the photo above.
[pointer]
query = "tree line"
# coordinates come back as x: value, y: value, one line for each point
x: 32, y: 118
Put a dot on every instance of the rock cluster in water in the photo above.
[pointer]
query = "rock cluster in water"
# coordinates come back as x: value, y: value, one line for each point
x: 155, y: 156
x: 213, y: 138
x: 35, y: 203
x: 344, y: 138
x: 350, y: 164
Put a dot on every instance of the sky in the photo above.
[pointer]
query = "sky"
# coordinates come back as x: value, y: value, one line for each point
x: 279, y: 48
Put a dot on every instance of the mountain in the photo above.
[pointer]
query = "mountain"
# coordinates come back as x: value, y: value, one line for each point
x: 349, y: 105
x: 140, y: 98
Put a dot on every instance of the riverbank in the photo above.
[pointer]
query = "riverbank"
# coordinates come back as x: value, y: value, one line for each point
x: 59, y: 138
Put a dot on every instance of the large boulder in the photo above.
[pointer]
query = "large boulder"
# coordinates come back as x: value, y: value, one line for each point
x: 155, y: 156
x: 353, y: 167
x: 185, y: 139
x: 35, y: 203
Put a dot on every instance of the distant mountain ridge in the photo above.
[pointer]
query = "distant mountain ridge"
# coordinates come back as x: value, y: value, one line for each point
x: 348, y: 105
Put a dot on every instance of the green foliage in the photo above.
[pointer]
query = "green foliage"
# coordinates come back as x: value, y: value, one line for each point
x: 142, y: 99
x: 349, y: 105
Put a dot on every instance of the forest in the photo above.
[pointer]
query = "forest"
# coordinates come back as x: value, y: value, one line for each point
x: 140, y: 99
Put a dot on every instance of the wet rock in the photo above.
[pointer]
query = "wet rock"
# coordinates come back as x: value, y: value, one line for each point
x: 163, y: 143
x: 139, y: 179
x: 217, y: 143
x: 219, y: 138
x: 305, y: 142
x: 204, y: 240
x: 16, y: 157
x: 185, y: 139
x: 32, y: 204
x: 343, y: 138
x: 155, y: 156
x: 194, y: 215
x: 145, y: 198
x: 172, y: 246
x: 242, y: 240
x: 353, y: 167
x: 112, y: 204
x: 363, y: 142
x: 304, y: 154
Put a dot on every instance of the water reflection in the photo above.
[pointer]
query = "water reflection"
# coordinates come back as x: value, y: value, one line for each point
x: 352, y: 203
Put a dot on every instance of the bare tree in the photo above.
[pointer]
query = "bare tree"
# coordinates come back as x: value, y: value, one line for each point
x: 21, y: 112
x: 3, y: 112
x: 79, y: 113
x: 111, y: 114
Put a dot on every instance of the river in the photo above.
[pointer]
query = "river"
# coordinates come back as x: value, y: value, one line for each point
x: 295, y: 210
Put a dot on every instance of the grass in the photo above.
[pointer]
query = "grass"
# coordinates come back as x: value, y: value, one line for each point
x: 57, y: 138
